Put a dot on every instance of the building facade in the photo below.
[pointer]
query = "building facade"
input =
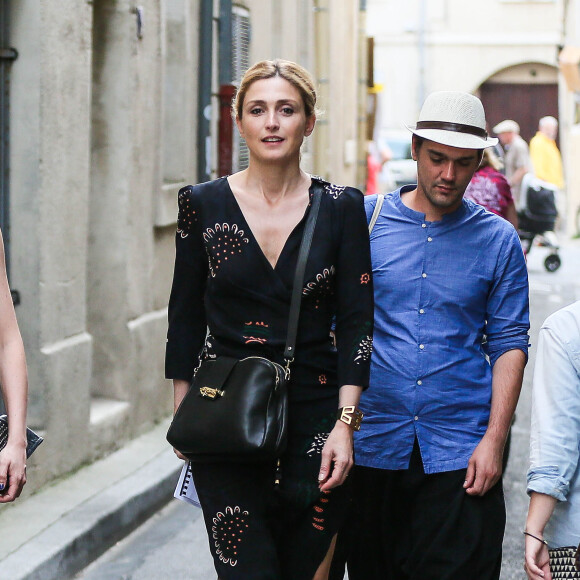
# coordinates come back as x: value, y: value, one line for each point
x: 110, y: 107
x: 505, y: 51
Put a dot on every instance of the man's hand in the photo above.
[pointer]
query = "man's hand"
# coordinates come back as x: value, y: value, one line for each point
x: 485, y: 467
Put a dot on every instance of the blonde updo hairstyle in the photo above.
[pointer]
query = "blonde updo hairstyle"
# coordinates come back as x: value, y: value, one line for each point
x: 491, y: 159
x: 296, y: 75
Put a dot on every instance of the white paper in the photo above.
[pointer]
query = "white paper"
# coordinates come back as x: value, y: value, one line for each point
x: 185, y: 489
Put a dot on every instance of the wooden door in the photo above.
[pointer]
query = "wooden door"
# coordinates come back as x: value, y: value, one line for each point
x: 524, y: 103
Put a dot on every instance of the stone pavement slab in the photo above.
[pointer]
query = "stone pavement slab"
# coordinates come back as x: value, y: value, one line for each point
x: 64, y: 526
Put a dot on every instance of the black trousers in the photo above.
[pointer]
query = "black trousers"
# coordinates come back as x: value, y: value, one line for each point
x: 406, y: 525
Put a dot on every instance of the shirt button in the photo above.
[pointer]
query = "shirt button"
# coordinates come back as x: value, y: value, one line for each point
x: 416, y: 418
x: 424, y: 275
x: 423, y: 225
x: 419, y: 382
x: 421, y: 346
x: 421, y: 311
x: 429, y: 239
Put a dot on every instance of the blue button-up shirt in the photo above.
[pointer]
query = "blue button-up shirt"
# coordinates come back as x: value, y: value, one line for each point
x: 451, y: 296
x: 555, y: 434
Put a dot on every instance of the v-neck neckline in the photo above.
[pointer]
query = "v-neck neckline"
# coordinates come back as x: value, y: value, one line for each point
x: 247, y: 227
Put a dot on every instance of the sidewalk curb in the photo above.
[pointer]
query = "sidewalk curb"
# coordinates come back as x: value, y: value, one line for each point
x: 89, y: 529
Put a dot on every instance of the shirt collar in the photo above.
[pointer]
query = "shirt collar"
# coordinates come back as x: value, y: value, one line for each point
x: 420, y: 217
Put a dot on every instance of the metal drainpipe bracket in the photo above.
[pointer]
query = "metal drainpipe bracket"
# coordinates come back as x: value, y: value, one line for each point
x: 8, y: 54
x: 139, y: 13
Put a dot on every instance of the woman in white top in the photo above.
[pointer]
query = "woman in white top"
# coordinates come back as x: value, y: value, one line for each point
x: 554, y: 475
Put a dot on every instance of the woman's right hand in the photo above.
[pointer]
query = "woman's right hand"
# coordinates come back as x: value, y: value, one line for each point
x: 180, y: 389
x: 537, y: 561
x: 180, y: 455
x: 12, y: 472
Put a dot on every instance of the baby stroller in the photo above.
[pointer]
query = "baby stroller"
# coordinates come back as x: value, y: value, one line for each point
x: 537, y: 219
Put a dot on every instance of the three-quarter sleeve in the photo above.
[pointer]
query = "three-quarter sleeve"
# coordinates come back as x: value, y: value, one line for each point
x: 354, y: 288
x: 187, y: 319
x: 555, y: 428
x: 508, y: 301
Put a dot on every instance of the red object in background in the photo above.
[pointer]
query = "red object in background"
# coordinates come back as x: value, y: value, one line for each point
x: 373, y: 170
x: 226, y: 130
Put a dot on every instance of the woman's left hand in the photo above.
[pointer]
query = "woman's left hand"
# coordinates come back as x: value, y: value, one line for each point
x: 537, y: 560
x: 337, y: 457
x: 12, y: 472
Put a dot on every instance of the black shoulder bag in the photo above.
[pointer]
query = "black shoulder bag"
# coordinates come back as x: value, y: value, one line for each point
x: 237, y: 410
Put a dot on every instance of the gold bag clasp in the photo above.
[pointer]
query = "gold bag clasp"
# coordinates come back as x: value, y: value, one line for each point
x: 210, y: 393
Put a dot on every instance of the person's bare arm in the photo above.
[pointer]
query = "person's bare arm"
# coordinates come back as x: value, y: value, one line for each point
x: 511, y: 215
x: 485, y: 465
x: 180, y: 388
x: 537, y: 562
x: 14, y: 384
x: 518, y: 175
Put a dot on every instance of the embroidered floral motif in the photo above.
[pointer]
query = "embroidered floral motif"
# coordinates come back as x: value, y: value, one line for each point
x: 227, y: 530
x: 186, y: 215
x: 318, y: 516
x: 364, y: 350
x: 365, y: 278
x: 223, y: 241
x: 322, y: 285
x: 317, y: 444
x: 322, y: 379
x: 260, y: 332
x: 334, y: 190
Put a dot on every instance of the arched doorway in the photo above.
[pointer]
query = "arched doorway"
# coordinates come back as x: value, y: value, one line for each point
x: 524, y: 93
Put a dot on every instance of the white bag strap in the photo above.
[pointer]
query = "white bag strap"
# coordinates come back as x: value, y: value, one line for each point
x: 376, y: 212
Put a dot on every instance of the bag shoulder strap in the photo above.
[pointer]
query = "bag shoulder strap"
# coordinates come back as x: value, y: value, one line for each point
x: 376, y: 212
x: 299, y: 275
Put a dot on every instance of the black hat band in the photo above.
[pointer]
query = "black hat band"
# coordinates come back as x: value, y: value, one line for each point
x: 457, y: 127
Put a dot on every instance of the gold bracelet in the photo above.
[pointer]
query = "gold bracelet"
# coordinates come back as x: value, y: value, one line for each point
x: 351, y: 416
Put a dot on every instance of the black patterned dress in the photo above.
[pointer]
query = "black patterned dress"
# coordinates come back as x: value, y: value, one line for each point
x: 227, y: 299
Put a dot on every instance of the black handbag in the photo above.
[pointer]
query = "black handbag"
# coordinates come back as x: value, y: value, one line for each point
x: 237, y: 410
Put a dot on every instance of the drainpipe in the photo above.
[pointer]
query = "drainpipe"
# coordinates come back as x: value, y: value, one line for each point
x: 226, y: 131
x: 421, y: 48
x: 321, y: 151
x: 7, y: 56
x: 363, y: 71
x: 226, y: 90
x: 204, y: 91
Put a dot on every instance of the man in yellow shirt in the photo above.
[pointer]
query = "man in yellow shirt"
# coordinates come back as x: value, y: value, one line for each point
x: 544, y: 153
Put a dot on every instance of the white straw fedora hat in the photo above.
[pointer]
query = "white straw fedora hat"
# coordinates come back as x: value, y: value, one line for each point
x: 455, y: 119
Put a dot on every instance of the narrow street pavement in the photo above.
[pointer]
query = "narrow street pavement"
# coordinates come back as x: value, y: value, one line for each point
x: 172, y: 544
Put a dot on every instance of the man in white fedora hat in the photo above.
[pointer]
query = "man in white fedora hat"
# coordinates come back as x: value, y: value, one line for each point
x: 450, y: 346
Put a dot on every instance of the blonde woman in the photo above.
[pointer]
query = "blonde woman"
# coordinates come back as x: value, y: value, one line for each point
x: 237, y: 245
